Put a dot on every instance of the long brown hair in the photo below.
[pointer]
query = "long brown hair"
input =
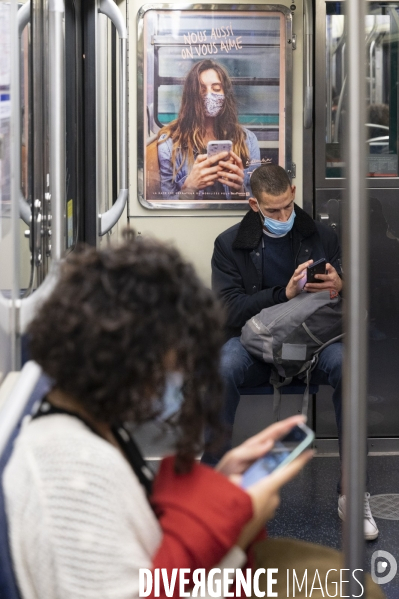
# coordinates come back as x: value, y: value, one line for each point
x: 188, y: 130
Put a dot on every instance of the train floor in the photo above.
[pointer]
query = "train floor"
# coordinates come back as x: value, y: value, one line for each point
x: 309, y: 504
x: 308, y: 509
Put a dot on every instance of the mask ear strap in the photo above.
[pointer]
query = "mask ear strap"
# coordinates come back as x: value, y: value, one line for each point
x: 260, y: 211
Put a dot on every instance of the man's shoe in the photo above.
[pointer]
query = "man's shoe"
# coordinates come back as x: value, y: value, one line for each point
x: 370, y: 527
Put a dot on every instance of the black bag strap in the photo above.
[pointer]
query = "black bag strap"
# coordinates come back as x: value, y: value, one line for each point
x: 122, y: 436
x: 277, y: 383
x: 326, y: 344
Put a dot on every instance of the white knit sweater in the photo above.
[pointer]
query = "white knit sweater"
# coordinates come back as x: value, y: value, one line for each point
x: 79, y: 521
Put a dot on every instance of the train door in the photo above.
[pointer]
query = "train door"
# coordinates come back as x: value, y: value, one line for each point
x: 104, y: 122
x: 381, y: 34
x: 9, y: 284
x: 55, y: 125
x: 19, y: 245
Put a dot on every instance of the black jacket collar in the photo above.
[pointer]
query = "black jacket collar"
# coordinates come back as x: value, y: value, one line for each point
x: 250, y: 231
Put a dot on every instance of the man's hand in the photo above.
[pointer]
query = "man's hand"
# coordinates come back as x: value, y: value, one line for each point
x: 296, y: 282
x: 331, y: 280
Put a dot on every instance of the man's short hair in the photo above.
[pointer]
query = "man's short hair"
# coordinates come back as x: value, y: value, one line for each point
x: 271, y: 179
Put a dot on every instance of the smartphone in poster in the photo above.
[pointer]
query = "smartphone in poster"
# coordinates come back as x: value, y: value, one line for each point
x: 199, y: 82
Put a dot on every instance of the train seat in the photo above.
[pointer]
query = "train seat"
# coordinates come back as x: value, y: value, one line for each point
x: 296, y: 387
x: 30, y: 387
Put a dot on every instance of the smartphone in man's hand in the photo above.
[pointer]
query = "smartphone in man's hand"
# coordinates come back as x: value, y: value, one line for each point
x: 317, y: 268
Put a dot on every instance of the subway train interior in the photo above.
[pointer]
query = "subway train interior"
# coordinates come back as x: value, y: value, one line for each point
x: 86, y: 87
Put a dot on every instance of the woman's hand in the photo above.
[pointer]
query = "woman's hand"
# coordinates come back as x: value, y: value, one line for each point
x: 240, y: 458
x: 204, y: 172
x: 265, y: 496
x: 232, y: 172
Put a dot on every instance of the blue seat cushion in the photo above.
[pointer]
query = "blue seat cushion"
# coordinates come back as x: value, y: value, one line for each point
x: 8, y: 585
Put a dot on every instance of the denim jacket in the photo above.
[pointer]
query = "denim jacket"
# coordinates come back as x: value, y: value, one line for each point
x: 171, y: 188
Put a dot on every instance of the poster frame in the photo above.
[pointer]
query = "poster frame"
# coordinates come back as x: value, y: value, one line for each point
x: 182, y: 204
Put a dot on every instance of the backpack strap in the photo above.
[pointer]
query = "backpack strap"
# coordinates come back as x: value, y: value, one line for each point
x: 320, y: 349
x: 305, y: 398
x: 277, y: 383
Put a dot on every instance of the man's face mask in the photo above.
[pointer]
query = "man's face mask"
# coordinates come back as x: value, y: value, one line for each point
x: 213, y: 104
x: 278, y: 227
x: 173, y: 397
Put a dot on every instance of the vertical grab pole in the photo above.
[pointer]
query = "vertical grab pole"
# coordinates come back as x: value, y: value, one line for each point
x: 57, y: 128
x: 9, y: 311
x: 356, y: 291
x: 308, y: 35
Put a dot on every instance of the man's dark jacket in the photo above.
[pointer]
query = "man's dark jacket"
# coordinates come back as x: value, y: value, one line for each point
x: 237, y: 263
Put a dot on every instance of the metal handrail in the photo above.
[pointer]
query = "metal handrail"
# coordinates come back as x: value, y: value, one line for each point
x: 343, y: 60
x: 377, y: 126
x: 109, y: 218
x: 383, y: 138
x: 371, y: 70
x: 27, y: 306
x: 23, y: 18
x: 57, y: 134
x: 308, y: 33
x: 339, y: 110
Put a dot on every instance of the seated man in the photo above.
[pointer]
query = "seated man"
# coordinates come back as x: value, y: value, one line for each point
x: 260, y: 262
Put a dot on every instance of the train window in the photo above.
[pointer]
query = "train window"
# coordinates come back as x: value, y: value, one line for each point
x: 254, y: 50
x: 9, y: 275
x: 382, y: 31
x: 5, y: 113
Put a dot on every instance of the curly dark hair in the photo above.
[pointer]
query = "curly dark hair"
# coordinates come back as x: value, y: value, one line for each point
x: 105, y: 331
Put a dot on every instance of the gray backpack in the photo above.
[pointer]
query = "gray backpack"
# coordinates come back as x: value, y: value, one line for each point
x: 290, y: 336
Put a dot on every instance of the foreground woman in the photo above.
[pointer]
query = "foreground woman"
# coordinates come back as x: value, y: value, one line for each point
x: 129, y: 334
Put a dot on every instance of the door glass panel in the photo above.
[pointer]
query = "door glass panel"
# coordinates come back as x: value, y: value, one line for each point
x: 6, y: 271
x: 8, y: 214
x: 26, y: 268
x: 382, y: 38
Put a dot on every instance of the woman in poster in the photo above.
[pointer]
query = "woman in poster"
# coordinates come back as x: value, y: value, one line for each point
x: 208, y: 112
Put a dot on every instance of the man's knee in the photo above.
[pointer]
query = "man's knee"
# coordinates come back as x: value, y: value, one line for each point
x: 331, y: 359
x: 235, y: 360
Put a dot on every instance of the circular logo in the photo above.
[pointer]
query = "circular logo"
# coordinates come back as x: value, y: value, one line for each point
x: 383, y: 567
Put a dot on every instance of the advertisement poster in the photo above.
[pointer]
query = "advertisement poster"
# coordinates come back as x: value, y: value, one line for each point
x: 212, y: 105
